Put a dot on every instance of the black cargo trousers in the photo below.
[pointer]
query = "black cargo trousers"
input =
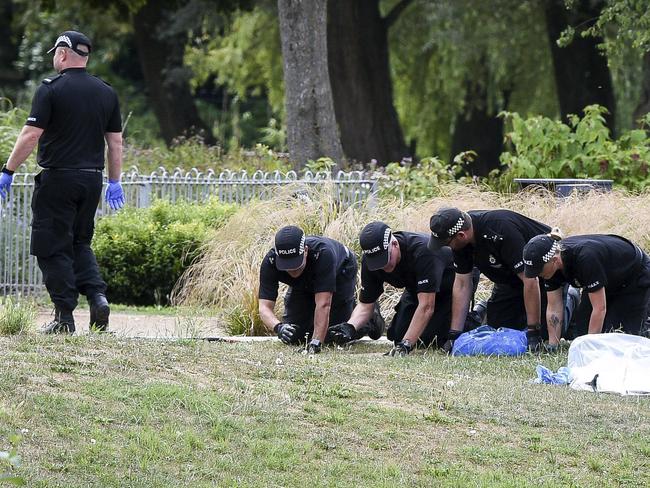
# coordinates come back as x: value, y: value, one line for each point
x: 64, y: 205
x: 299, y: 304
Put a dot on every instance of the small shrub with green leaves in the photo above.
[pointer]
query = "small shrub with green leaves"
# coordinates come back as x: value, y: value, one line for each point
x: 546, y: 148
x: 143, y: 252
x: 407, y: 181
x: 16, y: 316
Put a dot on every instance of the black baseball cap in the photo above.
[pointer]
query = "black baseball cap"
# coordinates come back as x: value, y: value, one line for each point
x: 289, y: 248
x: 539, y: 251
x: 73, y: 39
x: 375, y: 244
x: 444, y: 225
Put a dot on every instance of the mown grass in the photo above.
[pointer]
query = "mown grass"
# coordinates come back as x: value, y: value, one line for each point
x: 100, y: 411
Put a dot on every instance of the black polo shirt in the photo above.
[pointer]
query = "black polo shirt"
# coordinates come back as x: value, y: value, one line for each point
x: 500, y: 239
x: 596, y: 261
x: 326, y: 259
x: 419, y: 270
x: 75, y: 110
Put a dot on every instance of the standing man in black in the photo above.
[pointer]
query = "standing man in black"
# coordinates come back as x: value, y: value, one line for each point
x: 493, y: 241
x: 403, y: 260
x: 322, y: 276
x: 73, y: 114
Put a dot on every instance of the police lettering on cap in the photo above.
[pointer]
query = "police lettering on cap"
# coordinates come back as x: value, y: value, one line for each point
x: 375, y: 244
x: 289, y: 248
x: 539, y: 251
x: 444, y: 225
x: 72, y: 40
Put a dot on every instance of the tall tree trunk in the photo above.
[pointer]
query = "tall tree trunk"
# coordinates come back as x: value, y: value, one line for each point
x: 10, y: 78
x: 582, y: 76
x: 643, y: 107
x: 167, y: 81
x: 311, y: 125
x: 478, y: 128
x: 357, y: 39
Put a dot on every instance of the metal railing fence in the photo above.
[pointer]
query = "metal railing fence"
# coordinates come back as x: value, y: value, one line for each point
x: 19, y: 273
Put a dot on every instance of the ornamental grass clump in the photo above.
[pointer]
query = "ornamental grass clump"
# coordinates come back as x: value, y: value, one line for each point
x: 16, y: 317
x: 226, y: 273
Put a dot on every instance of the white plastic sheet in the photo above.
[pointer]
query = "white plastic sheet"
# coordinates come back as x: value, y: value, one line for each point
x: 614, y: 363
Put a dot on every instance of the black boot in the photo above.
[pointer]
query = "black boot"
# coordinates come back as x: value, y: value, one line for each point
x: 375, y: 326
x: 99, y: 312
x: 63, y: 323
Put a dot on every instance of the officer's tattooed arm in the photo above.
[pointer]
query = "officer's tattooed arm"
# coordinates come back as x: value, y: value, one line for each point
x: 267, y: 315
x: 554, y: 316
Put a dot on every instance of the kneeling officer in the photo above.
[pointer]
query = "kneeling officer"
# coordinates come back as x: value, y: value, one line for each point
x: 403, y: 260
x: 321, y: 274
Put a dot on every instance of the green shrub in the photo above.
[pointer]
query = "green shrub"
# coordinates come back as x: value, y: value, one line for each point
x: 411, y: 182
x: 546, y: 148
x: 16, y: 317
x: 143, y: 252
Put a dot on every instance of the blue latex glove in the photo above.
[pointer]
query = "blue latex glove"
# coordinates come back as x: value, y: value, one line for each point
x: 5, y: 184
x: 115, y: 195
x: 547, y: 376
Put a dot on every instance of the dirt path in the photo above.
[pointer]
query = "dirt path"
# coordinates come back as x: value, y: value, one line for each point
x: 145, y: 325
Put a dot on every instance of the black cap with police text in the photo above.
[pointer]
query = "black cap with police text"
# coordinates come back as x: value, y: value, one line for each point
x: 289, y: 248
x: 444, y: 225
x: 73, y: 39
x: 375, y: 244
x: 539, y: 251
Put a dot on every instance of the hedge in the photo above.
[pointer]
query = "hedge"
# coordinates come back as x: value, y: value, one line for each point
x: 142, y: 252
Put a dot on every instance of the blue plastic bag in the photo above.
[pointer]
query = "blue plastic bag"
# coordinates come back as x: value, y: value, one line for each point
x: 548, y: 377
x: 489, y: 341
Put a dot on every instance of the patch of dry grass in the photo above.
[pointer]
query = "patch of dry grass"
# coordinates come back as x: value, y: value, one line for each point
x: 227, y: 274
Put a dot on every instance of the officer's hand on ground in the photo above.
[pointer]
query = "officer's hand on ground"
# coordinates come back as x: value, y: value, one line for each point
x: 5, y: 184
x: 342, y: 333
x: 115, y: 195
x: 534, y: 338
x: 285, y: 332
x: 401, y: 349
x: 451, y: 338
x: 314, y: 347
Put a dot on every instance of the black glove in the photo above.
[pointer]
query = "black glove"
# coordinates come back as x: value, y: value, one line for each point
x: 534, y: 338
x: 451, y: 338
x: 314, y: 347
x: 342, y: 333
x: 401, y: 349
x: 285, y: 332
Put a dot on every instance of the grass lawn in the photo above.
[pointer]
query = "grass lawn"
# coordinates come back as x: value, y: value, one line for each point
x: 102, y: 411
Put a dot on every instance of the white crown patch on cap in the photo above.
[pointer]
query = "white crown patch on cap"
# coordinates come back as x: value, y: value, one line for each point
x: 65, y: 39
x: 456, y: 226
x: 551, y: 252
x: 386, y: 237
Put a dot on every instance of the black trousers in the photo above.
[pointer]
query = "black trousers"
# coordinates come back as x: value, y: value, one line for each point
x: 436, y: 330
x: 627, y: 309
x: 506, y: 308
x: 64, y: 205
x: 300, y: 304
